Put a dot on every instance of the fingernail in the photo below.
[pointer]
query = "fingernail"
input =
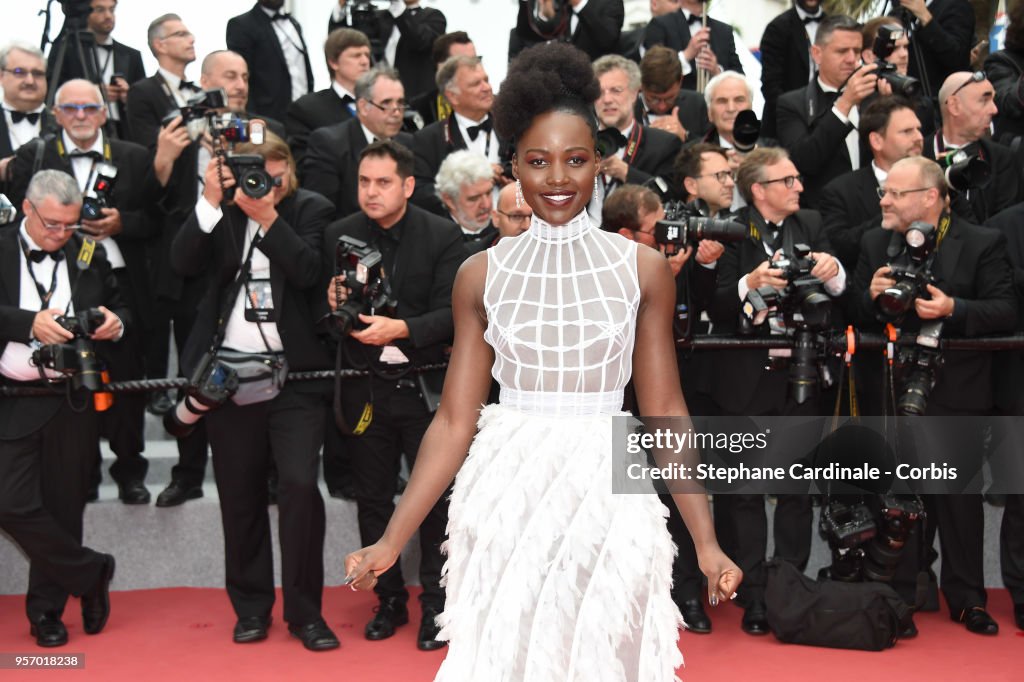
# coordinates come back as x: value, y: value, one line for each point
x: 348, y: 580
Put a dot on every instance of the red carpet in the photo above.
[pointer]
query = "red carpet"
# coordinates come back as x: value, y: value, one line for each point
x: 185, y: 634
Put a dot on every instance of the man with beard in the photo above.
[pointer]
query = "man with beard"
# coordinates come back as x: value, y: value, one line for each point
x: 465, y: 184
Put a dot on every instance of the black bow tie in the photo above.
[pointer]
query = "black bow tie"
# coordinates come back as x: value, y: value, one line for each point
x: 188, y: 86
x: 474, y: 131
x: 812, y: 20
x: 38, y: 255
x: 281, y: 16
x: 94, y: 155
x: 347, y: 99
x: 694, y: 19
x: 19, y: 116
x: 108, y: 48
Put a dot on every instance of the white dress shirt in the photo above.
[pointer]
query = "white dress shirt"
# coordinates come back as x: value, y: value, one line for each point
x: 294, y: 53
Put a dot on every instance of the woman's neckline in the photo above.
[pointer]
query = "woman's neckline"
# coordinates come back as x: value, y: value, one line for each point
x: 544, y: 231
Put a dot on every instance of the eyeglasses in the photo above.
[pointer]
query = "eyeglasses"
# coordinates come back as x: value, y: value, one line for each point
x: 976, y: 77
x: 389, y: 105
x: 178, y: 34
x: 21, y: 74
x: 87, y: 109
x: 724, y: 175
x: 664, y: 98
x: 789, y: 181
x: 53, y: 227
x: 517, y: 218
x: 897, y: 194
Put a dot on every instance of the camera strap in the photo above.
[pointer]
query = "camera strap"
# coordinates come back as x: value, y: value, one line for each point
x: 228, y: 302
x: 44, y: 294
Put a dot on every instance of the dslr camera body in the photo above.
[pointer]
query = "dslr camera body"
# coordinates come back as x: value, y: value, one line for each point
x: 370, y: 292
x: 867, y: 540
x: 885, y: 43
x: 197, y: 111
x: 77, y: 359
x: 685, y: 224
x: 97, y: 190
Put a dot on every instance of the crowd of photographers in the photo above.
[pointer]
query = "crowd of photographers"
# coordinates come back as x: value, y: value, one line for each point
x: 269, y: 228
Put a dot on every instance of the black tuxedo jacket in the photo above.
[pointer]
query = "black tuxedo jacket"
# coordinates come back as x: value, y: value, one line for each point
x: 1004, y: 189
x: 90, y: 288
x: 743, y: 385
x: 693, y: 113
x: 331, y: 164
x: 945, y: 43
x: 655, y: 156
x: 47, y: 125
x: 293, y: 246
x: 148, y: 103
x: 972, y: 267
x: 847, y: 204
x: 252, y: 35
x: 432, y: 146
x: 597, y: 33
x: 428, y: 255
x: 135, y: 193
x: 312, y: 111
x: 671, y: 30
x: 785, y: 60
x: 815, y: 138
x: 418, y: 29
x: 1008, y: 366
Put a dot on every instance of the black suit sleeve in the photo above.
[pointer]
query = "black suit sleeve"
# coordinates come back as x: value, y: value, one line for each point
x: 946, y: 39
x: 16, y: 324
x: 727, y: 47
x: 602, y: 24
x: 811, y: 150
x: 995, y: 307
x: 1005, y: 77
x: 419, y: 30
x: 147, y: 105
x: 320, y: 166
x: 295, y: 248
x: 724, y: 309
x: 657, y: 33
x: 775, y: 44
x: 437, y: 326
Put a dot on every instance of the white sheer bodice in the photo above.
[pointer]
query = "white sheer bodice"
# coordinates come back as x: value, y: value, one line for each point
x: 561, y: 305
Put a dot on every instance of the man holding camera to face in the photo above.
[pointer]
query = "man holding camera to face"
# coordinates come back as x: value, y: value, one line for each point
x: 966, y: 290
x: 50, y: 307
x: 262, y: 252
x: 397, y: 320
x: 118, y: 180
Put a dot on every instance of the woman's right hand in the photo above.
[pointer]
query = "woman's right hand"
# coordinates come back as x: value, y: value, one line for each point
x: 363, y: 566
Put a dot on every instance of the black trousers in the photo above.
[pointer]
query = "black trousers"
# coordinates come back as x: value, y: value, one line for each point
x: 337, y: 451
x: 287, y: 431
x: 192, y: 450
x: 400, y: 418
x: 43, y: 485
x: 1011, y: 547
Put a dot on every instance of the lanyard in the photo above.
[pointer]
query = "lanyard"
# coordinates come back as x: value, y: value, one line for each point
x: 44, y: 294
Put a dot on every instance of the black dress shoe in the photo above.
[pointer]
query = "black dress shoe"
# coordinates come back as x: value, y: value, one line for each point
x: 979, y: 622
x: 909, y: 632
x: 755, y: 619
x: 160, y: 404
x: 694, y: 616
x: 96, y: 602
x: 251, y: 629
x: 427, y: 639
x: 315, y: 636
x: 133, y: 492
x: 177, y: 493
x: 1018, y: 615
x: 49, y: 631
x: 391, y: 613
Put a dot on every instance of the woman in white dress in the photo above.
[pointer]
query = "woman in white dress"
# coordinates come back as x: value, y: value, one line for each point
x: 551, y: 576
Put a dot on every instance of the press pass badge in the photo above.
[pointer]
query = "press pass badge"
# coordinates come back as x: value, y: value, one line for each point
x: 259, y: 301
x: 85, y: 254
x: 257, y: 130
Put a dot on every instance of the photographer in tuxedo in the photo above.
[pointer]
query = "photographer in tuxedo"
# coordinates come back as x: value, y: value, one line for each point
x: 48, y: 443
x: 420, y: 254
x: 711, y: 48
x: 263, y: 256
x: 593, y: 26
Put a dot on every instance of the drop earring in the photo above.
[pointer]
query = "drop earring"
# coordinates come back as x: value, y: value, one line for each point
x: 596, y: 194
x: 519, y: 194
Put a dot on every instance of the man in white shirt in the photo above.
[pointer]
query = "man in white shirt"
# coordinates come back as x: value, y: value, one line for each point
x: 23, y: 79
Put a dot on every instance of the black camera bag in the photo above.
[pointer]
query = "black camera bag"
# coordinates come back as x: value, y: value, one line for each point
x: 867, y: 616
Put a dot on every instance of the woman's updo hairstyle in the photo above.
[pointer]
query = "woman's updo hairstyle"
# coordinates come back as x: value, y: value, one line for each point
x: 543, y: 78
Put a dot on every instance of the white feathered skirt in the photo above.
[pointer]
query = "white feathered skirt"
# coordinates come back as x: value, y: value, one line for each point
x: 551, y: 577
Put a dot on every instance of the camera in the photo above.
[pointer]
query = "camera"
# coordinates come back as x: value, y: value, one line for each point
x: 7, y: 211
x: 746, y: 130
x: 801, y: 311
x: 609, y: 141
x: 234, y: 129
x: 885, y: 43
x: 919, y: 364
x: 362, y: 266
x: 363, y: 15
x: 210, y: 386
x: 250, y: 175
x: 97, y: 190
x: 197, y: 110
x: 867, y: 540
x: 965, y: 169
x: 76, y: 9
x: 685, y: 224
x: 912, y: 273
x: 78, y: 358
